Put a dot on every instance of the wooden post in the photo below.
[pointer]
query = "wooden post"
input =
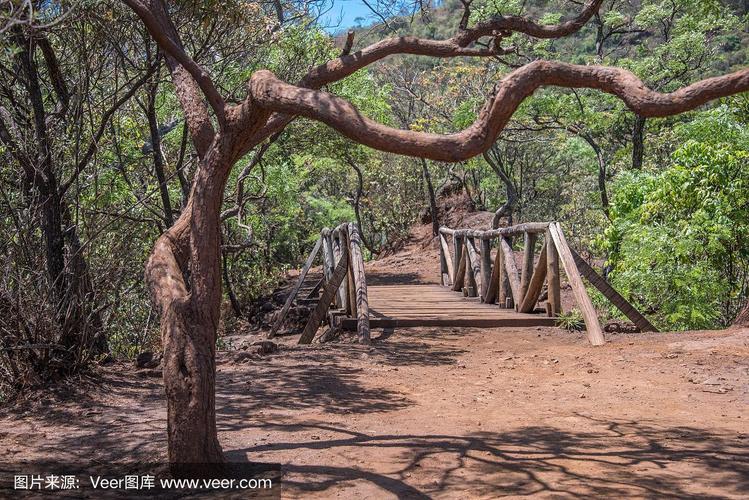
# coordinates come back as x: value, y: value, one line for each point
x: 327, y: 252
x: 295, y: 290
x: 460, y: 272
x: 493, y: 288
x: 473, y: 268
x: 512, y: 270
x: 503, y: 283
x: 361, y: 300
x: 340, y: 297
x: 447, y: 261
x: 610, y: 293
x: 529, y: 251
x: 350, y: 285
x: 486, y: 268
x: 552, y: 276
x: 329, y: 290
x: 457, y: 255
x: 535, y: 285
x: 595, y: 334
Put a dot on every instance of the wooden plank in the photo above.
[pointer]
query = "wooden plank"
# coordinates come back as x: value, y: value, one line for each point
x: 473, y: 268
x: 612, y: 295
x: 526, y: 271
x: 511, y: 269
x: 554, y: 287
x: 360, y: 285
x: 295, y: 290
x: 593, y: 327
x: 314, y: 290
x: 448, y: 259
x: 486, y: 267
x: 530, y: 320
x: 535, y: 285
x: 329, y: 291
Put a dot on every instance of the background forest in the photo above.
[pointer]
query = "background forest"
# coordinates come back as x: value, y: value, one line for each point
x: 97, y: 162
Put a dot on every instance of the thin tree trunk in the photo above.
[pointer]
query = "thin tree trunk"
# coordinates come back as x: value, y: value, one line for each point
x: 73, y: 291
x: 229, y: 289
x: 158, y: 157
x: 432, y: 198
x: 602, y: 186
x: 602, y: 171
x: 508, y: 207
x: 638, y: 142
x: 357, y: 204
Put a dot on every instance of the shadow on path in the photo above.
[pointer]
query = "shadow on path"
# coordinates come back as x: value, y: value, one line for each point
x: 611, y: 459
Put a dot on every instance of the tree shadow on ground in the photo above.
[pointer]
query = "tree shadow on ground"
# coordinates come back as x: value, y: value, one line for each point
x: 330, y: 378
x: 375, y: 278
x: 608, y: 459
x: 106, y: 416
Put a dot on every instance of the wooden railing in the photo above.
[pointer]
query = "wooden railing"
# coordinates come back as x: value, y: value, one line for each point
x: 343, y: 285
x: 470, y: 269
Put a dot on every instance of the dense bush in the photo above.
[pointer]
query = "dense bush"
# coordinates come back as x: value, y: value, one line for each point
x: 677, y: 242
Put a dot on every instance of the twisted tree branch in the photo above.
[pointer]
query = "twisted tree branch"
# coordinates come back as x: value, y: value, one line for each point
x: 272, y: 94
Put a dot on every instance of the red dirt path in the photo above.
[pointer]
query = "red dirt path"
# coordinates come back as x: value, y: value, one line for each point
x: 445, y: 413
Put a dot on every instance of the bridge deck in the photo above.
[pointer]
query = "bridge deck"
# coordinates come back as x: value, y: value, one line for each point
x: 434, y: 305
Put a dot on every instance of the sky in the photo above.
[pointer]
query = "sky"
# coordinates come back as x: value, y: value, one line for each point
x: 348, y: 11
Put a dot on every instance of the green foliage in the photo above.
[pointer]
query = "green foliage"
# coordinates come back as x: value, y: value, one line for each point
x: 571, y: 320
x: 677, y: 242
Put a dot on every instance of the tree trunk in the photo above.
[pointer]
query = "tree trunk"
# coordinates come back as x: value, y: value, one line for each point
x: 602, y: 171
x: 158, y: 157
x: 508, y: 207
x: 602, y: 186
x: 432, y: 198
x: 229, y: 289
x: 70, y: 281
x: 357, y: 205
x: 638, y: 142
x: 188, y: 335
x: 190, y: 319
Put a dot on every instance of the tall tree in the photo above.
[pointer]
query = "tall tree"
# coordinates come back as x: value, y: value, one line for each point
x: 67, y: 123
x: 223, y: 133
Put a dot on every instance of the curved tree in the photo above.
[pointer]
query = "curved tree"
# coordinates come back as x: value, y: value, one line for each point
x: 223, y: 133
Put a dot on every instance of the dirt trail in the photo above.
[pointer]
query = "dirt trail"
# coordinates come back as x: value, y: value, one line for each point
x: 444, y: 413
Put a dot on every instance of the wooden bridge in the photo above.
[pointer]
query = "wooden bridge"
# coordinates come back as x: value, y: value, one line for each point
x: 479, y: 288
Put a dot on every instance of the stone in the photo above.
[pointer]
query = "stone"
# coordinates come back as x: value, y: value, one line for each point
x: 265, y: 347
x: 147, y: 359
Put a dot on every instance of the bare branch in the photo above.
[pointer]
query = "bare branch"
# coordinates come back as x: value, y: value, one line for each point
x: 349, y: 43
x: 159, y: 27
x: 347, y: 64
x: 191, y: 82
x: 456, y: 46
